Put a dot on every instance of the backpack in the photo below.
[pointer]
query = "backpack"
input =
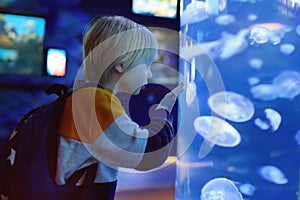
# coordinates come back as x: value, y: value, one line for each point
x: 28, y: 163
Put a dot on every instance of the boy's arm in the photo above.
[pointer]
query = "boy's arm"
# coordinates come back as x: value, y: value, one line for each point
x: 159, y: 143
x: 161, y: 132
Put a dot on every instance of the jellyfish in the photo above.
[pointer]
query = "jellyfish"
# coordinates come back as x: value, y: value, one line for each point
x: 274, y: 118
x: 220, y: 189
x: 225, y: 19
x: 259, y: 34
x: 247, y: 189
x: 273, y: 174
x: 217, y: 131
x: 252, y: 17
x: 194, y: 12
x: 263, y: 125
x: 298, y: 30
x: 232, y: 106
x: 287, y: 48
x: 275, y: 39
x: 255, y: 63
x: 297, y: 137
x: 253, y: 80
x: 288, y: 84
x: 265, y: 92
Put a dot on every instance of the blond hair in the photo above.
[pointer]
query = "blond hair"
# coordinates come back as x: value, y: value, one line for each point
x: 111, y: 40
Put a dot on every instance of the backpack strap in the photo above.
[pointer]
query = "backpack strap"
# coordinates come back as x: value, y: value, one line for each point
x: 56, y: 88
x: 89, y: 176
x: 52, y: 139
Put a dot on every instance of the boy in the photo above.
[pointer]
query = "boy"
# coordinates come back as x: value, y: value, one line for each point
x: 94, y: 129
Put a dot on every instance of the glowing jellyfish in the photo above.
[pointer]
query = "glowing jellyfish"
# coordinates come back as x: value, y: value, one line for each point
x: 273, y: 174
x: 272, y: 120
x: 225, y: 19
x: 253, y: 80
x: 259, y: 34
x: 247, y: 189
x: 232, y: 106
x: 275, y: 39
x: 287, y: 48
x: 265, y: 92
x: 298, y: 30
x: 255, y: 63
x: 211, y: 127
x: 288, y: 84
x: 297, y: 137
x: 263, y: 125
x: 191, y: 92
x: 220, y: 189
x: 252, y: 17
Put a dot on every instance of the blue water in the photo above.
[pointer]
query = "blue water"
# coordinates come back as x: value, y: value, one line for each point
x: 261, y: 145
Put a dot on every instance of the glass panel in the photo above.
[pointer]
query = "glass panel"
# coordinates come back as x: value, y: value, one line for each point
x: 238, y: 122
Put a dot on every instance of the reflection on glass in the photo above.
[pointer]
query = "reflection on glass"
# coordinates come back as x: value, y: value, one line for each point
x: 191, y: 92
x: 237, y: 107
x: 220, y: 189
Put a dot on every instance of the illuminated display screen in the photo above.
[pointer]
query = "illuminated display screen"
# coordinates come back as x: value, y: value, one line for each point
x: 21, y: 44
x: 157, y: 8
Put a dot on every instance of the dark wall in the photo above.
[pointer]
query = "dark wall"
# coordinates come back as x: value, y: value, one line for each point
x: 65, y: 22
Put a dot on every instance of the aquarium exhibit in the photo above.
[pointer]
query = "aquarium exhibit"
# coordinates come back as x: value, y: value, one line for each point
x: 239, y: 118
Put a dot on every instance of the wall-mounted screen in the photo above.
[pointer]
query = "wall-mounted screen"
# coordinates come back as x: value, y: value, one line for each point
x: 56, y: 62
x: 21, y: 43
x: 157, y: 8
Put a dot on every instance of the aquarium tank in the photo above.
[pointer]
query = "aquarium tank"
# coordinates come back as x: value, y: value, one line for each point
x: 239, y: 117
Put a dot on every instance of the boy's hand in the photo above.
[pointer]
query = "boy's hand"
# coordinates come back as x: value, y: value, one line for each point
x: 170, y: 98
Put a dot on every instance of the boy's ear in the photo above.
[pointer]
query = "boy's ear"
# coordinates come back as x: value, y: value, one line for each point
x: 119, y: 68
